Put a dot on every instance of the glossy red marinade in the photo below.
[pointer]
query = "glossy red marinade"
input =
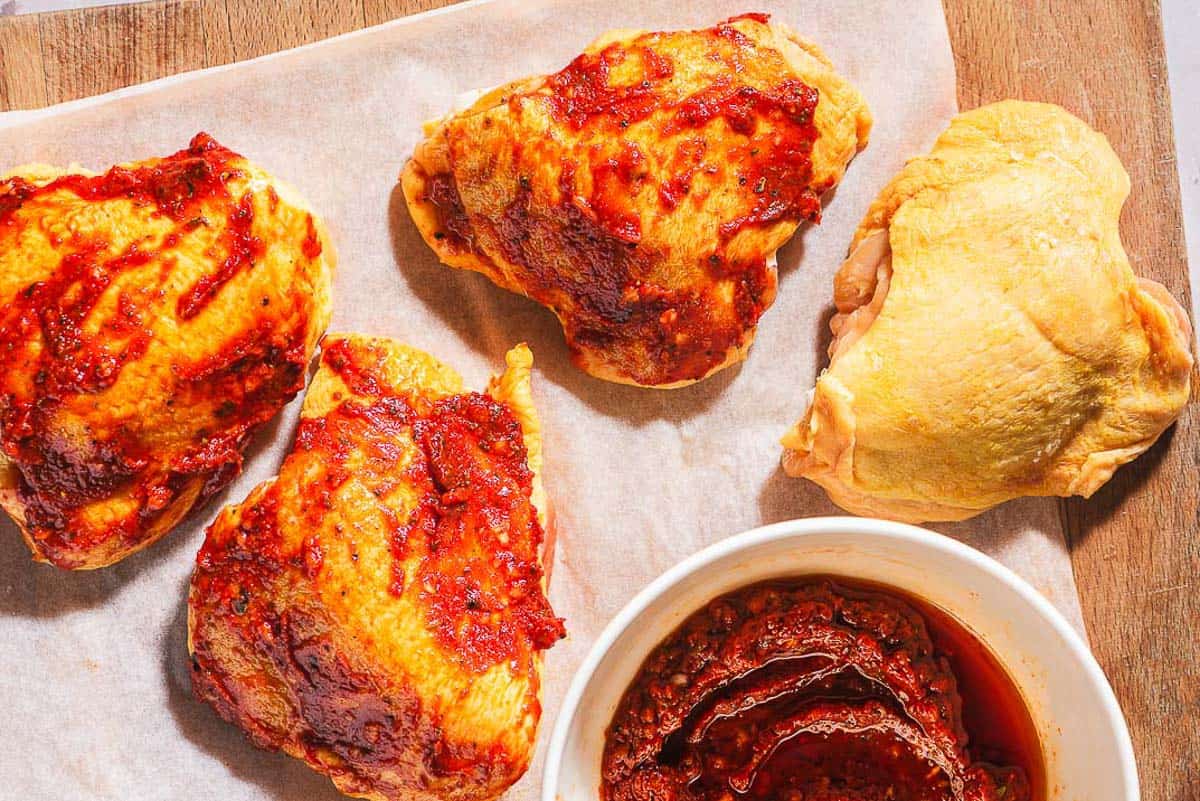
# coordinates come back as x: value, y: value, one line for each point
x: 244, y: 250
x: 268, y: 592
x: 582, y: 94
x: 474, y: 525
x: 778, y: 168
x: 48, y: 359
x: 821, y: 689
x: 668, y: 334
x: 173, y: 184
x: 474, y: 530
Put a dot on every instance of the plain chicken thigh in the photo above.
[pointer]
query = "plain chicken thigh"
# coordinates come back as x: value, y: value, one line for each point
x: 991, y: 340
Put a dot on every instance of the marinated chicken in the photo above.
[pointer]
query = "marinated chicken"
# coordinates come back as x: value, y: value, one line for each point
x: 991, y: 340
x: 378, y: 610
x: 151, y: 319
x: 641, y: 192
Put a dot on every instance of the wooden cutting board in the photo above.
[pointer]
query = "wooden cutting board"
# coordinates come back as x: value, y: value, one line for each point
x: 1135, y: 547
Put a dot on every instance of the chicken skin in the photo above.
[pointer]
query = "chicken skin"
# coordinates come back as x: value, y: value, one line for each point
x: 641, y: 192
x: 151, y: 319
x: 378, y: 610
x: 991, y: 340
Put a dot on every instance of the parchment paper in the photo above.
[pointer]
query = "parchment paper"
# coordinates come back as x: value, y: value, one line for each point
x: 94, y: 694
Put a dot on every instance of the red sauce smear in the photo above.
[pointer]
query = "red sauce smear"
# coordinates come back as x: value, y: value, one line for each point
x: 776, y: 166
x: 613, y: 180
x: 455, y: 225
x: 824, y: 689
x: 384, y: 738
x: 174, y: 184
x: 474, y: 528
x: 48, y: 359
x: 54, y: 310
x: 311, y: 247
x: 581, y: 91
x: 244, y: 248
x: 777, y: 169
x: 651, y: 333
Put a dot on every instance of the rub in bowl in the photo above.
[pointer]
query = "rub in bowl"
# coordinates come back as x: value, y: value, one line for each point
x: 1084, y: 741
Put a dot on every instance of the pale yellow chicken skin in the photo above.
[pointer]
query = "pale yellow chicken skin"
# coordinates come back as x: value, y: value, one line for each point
x: 378, y: 610
x: 991, y: 340
x: 641, y: 192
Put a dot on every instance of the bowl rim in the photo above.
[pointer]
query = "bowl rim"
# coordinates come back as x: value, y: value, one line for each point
x: 834, y: 525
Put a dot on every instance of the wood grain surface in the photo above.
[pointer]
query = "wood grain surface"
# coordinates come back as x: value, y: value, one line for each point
x: 1135, y: 546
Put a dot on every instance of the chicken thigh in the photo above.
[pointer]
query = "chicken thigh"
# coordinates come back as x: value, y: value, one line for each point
x: 378, y: 610
x: 991, y: 340
x: 151, y: 319
x: 641, y: 192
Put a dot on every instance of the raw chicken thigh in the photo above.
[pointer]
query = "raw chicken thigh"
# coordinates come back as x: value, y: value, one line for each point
x: 991, y: 340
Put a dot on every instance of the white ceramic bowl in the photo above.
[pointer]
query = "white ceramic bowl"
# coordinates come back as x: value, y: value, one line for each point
x: 1085, y: 742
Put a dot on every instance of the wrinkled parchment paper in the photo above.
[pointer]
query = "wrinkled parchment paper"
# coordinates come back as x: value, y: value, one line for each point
x: 94, y: 694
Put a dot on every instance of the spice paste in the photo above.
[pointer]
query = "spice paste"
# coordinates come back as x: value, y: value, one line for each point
x: 821, y: 689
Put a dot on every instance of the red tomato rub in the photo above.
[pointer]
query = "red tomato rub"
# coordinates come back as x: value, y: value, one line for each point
x: 812, y: 690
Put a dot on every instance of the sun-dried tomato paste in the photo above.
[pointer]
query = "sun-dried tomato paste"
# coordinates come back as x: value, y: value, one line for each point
x: 821, y: 689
